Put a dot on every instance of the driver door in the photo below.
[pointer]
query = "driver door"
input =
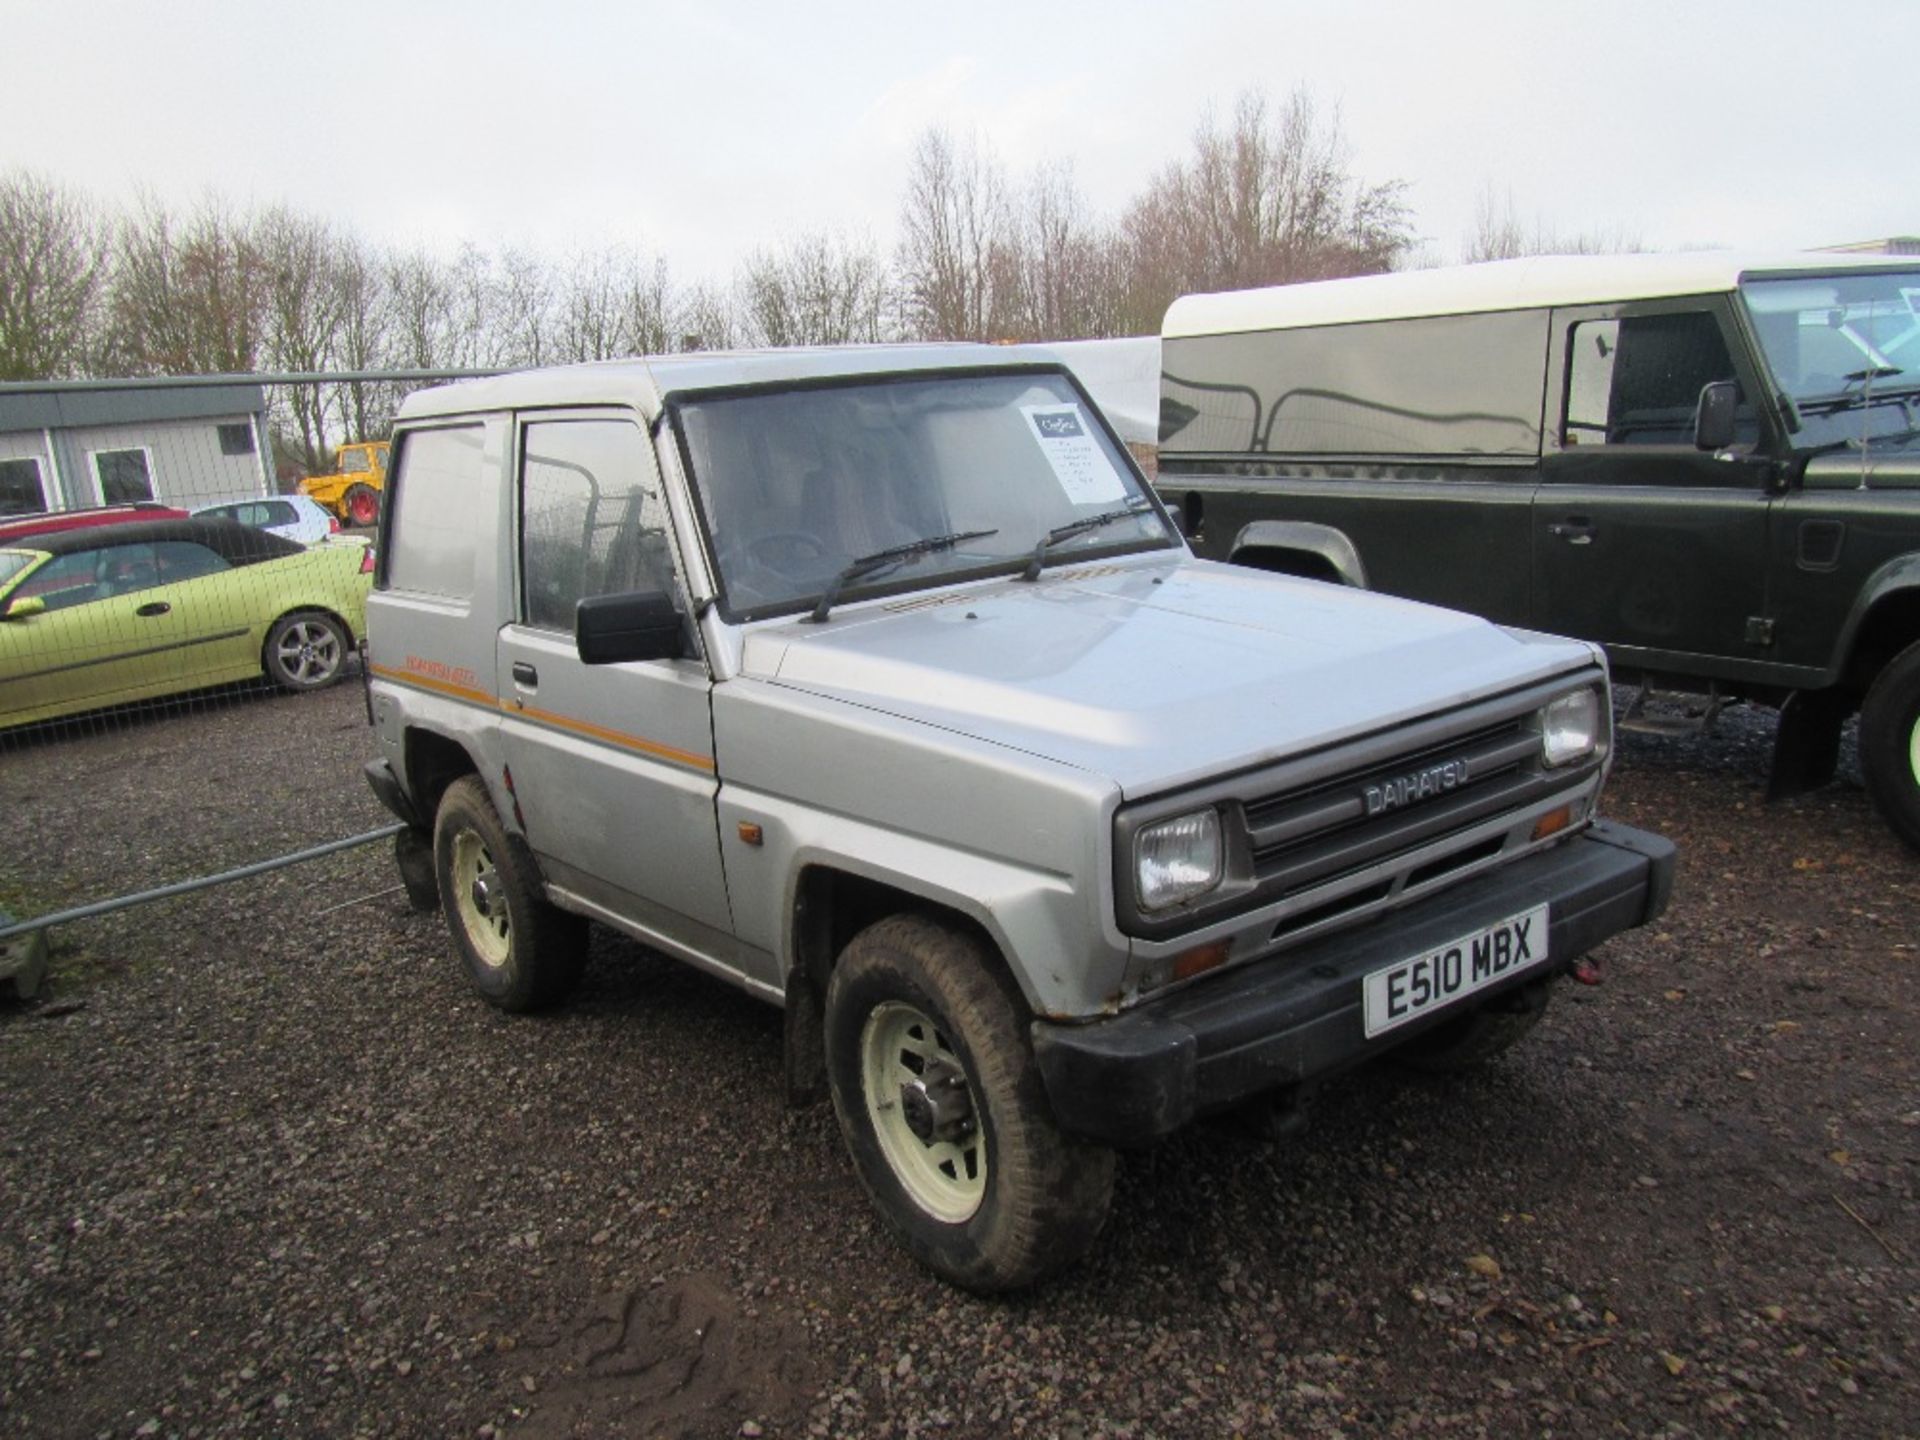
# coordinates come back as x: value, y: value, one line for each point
x: 612, y: 765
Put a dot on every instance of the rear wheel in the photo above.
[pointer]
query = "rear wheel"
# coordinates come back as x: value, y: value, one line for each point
x: 520, y: 952
x: 945, y: 1113
x: 1890, y: 744
x: 306, y: 651
x: 361, y: 504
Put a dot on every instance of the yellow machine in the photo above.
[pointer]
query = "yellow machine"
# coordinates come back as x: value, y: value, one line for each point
x: 353, y: 491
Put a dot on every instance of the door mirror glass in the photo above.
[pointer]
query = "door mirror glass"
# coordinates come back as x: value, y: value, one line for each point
x: 641, y: 625
x: 1714, y: 417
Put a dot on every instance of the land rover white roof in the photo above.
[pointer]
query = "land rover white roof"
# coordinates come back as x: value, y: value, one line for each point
x: 644, y: 381
x: 1527, y: 284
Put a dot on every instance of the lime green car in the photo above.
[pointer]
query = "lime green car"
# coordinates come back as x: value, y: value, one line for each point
x: 109, y: 614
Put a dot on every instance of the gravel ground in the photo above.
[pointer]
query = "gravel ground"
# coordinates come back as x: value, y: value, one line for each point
x: 267, y: 1169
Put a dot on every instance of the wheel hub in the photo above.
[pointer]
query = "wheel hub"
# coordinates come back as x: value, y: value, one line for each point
x: 937, y: 1106
x: 486, y: 886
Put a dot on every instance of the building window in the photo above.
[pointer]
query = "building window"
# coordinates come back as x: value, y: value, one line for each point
x: 20, y: 489
x: 236, y: 439
x: 124, y: 476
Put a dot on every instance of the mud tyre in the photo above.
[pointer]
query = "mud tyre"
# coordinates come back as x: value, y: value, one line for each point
x: 520, y: 952
x: 945, y: 1113
x: 1475, y: 1038
x: 1890, y: 744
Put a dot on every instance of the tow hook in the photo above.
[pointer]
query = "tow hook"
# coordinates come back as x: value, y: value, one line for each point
x: 1587, y: 970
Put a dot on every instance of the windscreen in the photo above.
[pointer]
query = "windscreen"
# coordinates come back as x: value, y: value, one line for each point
x: 1845, y: 349
x: 846, y: 489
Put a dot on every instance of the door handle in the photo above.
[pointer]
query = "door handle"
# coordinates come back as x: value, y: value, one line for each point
x: 525, y: 674
x: 152, y: 608
x: 1574, y: 532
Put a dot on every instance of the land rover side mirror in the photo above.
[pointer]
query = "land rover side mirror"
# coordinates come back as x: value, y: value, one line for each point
x: 643, y: 625
x: 1713, y: 419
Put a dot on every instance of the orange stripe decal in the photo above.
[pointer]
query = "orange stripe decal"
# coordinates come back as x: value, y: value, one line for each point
x: 434, y: 683
x: 638, y: 744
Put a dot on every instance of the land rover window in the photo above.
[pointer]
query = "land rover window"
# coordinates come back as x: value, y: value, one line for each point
x: 432, y: 526
x: 20, y: 490
x: 1442, y: 385
x: 592, y: 519
x: 1846, y: 350
x: 1636, y: 380
x: 124, y: 476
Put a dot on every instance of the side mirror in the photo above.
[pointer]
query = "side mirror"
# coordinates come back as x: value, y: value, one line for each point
x: 23, y: 607
x: 1713, y: 418
x: 644, y: 625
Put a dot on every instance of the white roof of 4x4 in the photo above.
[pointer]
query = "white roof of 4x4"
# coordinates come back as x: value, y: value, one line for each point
x: 643, y: 382
x: 1527, y: 284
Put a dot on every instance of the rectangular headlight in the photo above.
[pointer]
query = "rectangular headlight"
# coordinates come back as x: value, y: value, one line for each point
x: 1570, y: 727
x: 1178, y: 859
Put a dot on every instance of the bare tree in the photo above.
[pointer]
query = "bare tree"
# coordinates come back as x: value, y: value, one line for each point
x: 817, y: 290
x: 303, y: 320
x: 705, y: 319
x: 53, y: 251
x: 953, y: 221
x: 1267, y: 202
x: 365, y: 410
x: 189, y: 298
x: 1499, y: 234
x: 1058, y: 274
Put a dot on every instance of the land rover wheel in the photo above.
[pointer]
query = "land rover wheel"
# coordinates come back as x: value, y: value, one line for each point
x: 361, y: 505
x: 305, y: 651
x: 945, y: 1113
x: 1890, y: 743
x: 1470, y: 1040
x: 520, y: 952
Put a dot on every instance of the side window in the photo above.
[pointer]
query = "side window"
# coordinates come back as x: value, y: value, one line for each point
x: 65, y: 580
x: 123, y: 475
x: 592, y: 521
x: 20, y: 488
x: 277, y: 512
x: 435, y: 508
x: 183, y: 560
x: 1637, y: 380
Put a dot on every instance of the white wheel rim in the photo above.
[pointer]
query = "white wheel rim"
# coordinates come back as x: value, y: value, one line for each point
x: 1913, y: 750
x: 309, y: 652
x: 478, y: 901
x: 945, y: 1174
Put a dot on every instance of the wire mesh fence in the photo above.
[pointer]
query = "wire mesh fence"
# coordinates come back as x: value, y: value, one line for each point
x: 182, y: 543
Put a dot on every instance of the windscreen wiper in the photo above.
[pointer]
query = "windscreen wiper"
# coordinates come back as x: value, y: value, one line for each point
x: 1858, y: 399
x: 1139, y: 505
x: 865, y: 565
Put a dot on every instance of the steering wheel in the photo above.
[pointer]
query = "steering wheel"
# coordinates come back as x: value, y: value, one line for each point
x: 793, y: 555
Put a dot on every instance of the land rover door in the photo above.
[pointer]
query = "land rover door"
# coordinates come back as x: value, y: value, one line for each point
x: 1640, y: 540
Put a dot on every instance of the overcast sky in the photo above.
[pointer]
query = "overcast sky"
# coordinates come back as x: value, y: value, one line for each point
x: 701, y: 130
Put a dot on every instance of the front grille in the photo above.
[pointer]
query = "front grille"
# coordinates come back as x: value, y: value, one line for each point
x: 1347, y: 828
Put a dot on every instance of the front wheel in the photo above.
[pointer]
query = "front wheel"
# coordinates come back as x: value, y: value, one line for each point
x: 306, y: 651
x: 1890, y: 744
x: 945, y: 1113
x: 520, y: 951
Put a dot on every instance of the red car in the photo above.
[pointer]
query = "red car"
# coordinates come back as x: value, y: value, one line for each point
x: 25, y: 525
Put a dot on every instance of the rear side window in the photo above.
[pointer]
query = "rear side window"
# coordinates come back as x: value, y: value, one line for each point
x: 1439, y: 385
x: 436, y: 497
x: 592, y: 521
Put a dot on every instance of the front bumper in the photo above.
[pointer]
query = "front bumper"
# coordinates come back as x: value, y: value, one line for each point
x: 1295, y: 1018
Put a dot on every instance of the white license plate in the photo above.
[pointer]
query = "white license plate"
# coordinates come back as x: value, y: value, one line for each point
x: 1408, y: 989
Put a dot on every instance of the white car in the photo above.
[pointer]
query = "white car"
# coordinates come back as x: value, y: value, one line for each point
x: 293, y: 516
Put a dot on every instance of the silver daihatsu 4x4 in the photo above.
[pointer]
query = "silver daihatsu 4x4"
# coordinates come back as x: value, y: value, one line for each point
x: 878, y: 683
